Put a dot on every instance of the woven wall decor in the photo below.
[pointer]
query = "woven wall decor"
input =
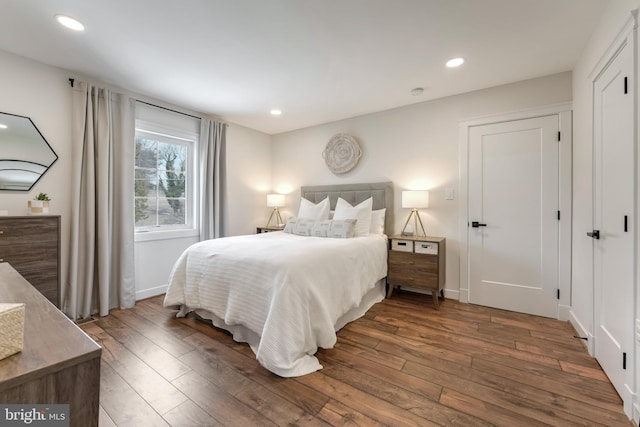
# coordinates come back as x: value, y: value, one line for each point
x: 342, y: 153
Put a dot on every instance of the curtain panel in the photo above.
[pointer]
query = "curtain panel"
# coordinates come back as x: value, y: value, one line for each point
x: 212, y: 178
x: 101, y: 266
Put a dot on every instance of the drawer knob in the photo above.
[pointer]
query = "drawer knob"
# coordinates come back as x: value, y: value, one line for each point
x: 1, y: 232
x: 1, y: 260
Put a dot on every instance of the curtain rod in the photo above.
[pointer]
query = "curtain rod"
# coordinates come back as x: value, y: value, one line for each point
x: 71, y: 82
x: 169, y: 109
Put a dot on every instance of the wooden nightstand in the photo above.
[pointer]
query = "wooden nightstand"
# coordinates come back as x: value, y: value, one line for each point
x: 417, y: 262
x: 268, y: 229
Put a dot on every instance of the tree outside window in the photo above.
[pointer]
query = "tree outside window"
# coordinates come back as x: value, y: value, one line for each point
x: 161, y: 171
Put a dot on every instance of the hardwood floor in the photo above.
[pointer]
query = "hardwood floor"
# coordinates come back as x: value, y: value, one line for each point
x: 404, y: 363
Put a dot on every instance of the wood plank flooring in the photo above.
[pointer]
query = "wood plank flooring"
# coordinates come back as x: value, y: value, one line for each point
x: 404, y: 363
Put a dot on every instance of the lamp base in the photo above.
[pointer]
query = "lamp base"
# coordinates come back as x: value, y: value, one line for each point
x: 278, y: 218
x: 416, y: 219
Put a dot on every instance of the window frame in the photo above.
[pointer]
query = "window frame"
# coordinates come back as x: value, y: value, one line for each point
x: 190, y: 140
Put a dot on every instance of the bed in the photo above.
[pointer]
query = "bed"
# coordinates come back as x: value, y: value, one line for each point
x: 284, y: 294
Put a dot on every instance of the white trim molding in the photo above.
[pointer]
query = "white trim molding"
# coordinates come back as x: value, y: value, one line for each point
x: 152, y: 292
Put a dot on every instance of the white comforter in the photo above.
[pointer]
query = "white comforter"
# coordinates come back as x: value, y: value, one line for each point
x: 289, y: 291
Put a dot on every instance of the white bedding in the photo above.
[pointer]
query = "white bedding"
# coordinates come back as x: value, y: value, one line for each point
x: 283, y: 294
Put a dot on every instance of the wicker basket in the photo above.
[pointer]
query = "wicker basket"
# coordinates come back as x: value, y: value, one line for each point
x: 12, y: 327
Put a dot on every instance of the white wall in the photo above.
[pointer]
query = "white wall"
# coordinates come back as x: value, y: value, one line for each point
x: 414, y: 146
x: 43, y: 93
x: 249, y: 179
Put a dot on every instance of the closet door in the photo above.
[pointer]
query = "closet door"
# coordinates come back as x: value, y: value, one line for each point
x: 614, y: 219
x: 513, y: 213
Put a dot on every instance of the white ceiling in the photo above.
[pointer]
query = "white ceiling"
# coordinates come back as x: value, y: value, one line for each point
x: 316, y: 60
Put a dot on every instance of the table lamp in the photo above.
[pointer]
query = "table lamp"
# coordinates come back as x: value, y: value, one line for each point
x: 275, y: 201
x: 415, y: 200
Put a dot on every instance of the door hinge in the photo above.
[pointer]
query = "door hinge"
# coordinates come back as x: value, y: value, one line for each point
x: 558, y: 296
x: 625, y: 86
x: 624, y: 360
x: 558, y: 135
x: 558, y: 215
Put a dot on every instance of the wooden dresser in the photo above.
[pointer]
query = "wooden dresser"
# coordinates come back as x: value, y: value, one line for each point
x: 31, y: 244
x: 59, y: 363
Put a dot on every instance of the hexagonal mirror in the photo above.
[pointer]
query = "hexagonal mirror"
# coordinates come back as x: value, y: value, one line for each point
x: 24, y: 153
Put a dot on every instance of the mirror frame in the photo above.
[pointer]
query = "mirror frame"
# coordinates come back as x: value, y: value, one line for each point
x: 26, y: 161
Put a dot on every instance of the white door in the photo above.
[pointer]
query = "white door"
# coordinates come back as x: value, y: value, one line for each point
x: 513, y: 215
x: 613, y: 218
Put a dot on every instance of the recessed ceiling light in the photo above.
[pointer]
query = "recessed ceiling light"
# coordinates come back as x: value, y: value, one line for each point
x: 455, y: 62
x: 70, y: 23
x: 275, y: 112
x: 417, y: 91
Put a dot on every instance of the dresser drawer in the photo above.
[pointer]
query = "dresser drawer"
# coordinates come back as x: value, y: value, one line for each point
x: 401, y: 245
x: 429, y: 248
x: 31, y: 245
x: 31, y: 230
x: 26, y: 257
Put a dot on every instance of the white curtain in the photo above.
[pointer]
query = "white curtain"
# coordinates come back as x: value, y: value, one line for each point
x: 101, y: 266
x: 212, y: 176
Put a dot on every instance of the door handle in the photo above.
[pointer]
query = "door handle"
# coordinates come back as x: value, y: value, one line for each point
x: 476, y: 224
x: 595, y: 234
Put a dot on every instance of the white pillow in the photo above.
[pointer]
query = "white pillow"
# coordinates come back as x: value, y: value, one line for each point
x: 361, y: 213
x: 377, y: 221
x: 312, y: 211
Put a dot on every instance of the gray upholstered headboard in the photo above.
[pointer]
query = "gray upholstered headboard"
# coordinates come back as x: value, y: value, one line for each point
x: 381, y: 192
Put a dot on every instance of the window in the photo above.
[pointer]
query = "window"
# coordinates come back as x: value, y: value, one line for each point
x: 164, y: 179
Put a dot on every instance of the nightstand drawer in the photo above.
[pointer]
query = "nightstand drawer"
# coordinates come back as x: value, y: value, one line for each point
x: 429, y: 248
x: 405, y: 260
x: 402, y: 245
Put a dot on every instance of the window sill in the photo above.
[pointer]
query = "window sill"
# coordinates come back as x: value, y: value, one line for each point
x: 146, y: 236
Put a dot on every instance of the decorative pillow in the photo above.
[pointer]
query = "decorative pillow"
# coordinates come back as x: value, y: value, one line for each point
x: 304, y: 226
x: 290, y: 226
x: 344, y: 229
x: 377, y: 221
x: 310, y: 210
x: 320, y: 228
x: 326, y: 228
x: 361, y: 213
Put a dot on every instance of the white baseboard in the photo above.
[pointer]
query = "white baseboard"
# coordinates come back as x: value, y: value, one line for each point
x: 152, y: 292
x: 450, y: 294
x: 564, y: 312
x: 582, y: 332
x: 463, y: 295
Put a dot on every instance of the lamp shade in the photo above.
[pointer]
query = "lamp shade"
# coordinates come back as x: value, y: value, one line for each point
x: 415, y: 199
x: 275, y: 200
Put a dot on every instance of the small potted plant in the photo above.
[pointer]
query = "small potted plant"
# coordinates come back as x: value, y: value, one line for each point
x: 39, y: 205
